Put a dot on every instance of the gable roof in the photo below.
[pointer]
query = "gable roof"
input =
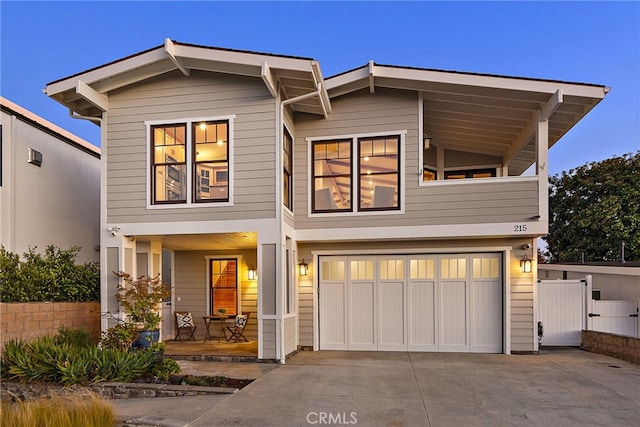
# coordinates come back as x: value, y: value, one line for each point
x: 484, y: 113
x: 299, y: 79
x: 472, y: 112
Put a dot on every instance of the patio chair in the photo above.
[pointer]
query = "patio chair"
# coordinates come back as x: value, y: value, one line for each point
x: 237, y: 330
x: 184, y: 323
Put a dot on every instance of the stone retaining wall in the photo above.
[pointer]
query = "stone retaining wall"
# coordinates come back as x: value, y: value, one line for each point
x: 110, y: 390
x: 29, y: 320
x: 618, y: 346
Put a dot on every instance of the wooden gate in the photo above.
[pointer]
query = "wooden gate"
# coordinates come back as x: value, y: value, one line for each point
x: 616, y: 317
x: 562, y: 306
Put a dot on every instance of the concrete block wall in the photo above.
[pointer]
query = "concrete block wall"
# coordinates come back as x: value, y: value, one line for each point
x: 30, y: 320
x: 618, y: 346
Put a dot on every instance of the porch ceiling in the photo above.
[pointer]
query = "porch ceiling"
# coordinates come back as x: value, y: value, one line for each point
x: 206, y: 242
x: 481, y: 113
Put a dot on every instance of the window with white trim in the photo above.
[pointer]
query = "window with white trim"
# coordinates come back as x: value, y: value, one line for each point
x: 190, y: 162
x: 287, y: 169
x: 370, y: 165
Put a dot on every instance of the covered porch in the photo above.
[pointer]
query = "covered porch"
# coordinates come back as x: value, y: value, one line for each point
x: 206, y: 273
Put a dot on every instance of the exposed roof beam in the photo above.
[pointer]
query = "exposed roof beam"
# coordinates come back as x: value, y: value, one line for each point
x: 269, y: 79
x: 552, y: 104
x: 325, y: 101
x: 170, y: 49
x: 91, y: 96
x: 522, y: 140
x: 372, y: 84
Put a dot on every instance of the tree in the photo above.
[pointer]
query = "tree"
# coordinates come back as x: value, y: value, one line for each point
x: 593, y: 209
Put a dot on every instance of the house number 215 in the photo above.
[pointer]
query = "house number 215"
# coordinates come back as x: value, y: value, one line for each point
x: 520, y: 227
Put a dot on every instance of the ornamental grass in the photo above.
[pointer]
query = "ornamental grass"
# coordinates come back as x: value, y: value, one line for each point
x: 77, y: 410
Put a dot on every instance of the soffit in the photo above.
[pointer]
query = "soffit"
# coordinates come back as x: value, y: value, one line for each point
x: 480, y: 113
x: 206, y: 242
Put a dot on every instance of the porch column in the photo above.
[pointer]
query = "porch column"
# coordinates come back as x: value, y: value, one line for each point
x: 542, y: 165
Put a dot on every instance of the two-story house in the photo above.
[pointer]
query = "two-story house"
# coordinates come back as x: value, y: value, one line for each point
x: 384, y: 208
x: 49, y: 186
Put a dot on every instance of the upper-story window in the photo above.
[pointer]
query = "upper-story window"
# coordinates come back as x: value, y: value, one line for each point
x: 379, y: 173
x: 190, y: 162
x: 169, y: 163
x: 471, y: 173
x: 287, y: 169
x: 211, y: 161
x: 331, y: 171
x: 361, y: 169
x: 457, y: 165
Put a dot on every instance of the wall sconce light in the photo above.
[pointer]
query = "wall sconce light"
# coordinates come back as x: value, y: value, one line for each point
x: 304, y: 268
x: 252, y: 273
x: 426, y: 141
x: 525, y: 264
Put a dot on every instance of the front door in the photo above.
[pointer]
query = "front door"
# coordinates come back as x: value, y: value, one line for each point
x: 223, y: 285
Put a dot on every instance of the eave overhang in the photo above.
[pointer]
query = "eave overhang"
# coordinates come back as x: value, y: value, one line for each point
x: 86, y: 93
x: 488, y: 114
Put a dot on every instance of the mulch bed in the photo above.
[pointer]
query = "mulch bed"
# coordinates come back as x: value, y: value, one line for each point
x: 200, y: 380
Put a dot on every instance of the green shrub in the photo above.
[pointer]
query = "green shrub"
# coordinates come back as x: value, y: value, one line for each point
x: 87, y: 409
x: 119, y: 337
x: 73, y: 337
x: 51, y: 359
x: 164, y: 370
x: 52, y: 276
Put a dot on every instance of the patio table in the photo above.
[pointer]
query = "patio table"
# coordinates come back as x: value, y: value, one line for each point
x: 208, y: 320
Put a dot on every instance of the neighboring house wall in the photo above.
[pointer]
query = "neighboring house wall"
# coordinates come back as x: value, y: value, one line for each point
x: 615, y: 282
x: 202, y: 95
x: 57, y: 203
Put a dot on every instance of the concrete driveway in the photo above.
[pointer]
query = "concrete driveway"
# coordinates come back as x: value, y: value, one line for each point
x: 561, y: 387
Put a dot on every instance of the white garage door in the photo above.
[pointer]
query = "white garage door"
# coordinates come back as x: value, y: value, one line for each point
x: 411, y: 303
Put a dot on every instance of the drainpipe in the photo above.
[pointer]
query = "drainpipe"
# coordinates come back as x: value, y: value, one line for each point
x: 280, y: 319
x: 104, y: 322
x: 79, y: 117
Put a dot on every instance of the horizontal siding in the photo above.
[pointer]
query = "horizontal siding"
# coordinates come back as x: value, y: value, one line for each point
x: 175, y: 97
x: 393, y: 110
x: 522, y: 308
x: 191, y: 287
x: 289, y: 335
x: 305, y: 310
x: 268, y: 339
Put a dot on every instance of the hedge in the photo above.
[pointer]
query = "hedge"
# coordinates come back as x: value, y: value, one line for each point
x: 52, y: 276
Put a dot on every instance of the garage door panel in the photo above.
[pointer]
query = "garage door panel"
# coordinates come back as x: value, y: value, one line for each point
x: 422, y: 316
x: 453, y: 316
x: 391, y: 316
x: 486, y: 316
x: 332, y: 313
x: 362, y: 311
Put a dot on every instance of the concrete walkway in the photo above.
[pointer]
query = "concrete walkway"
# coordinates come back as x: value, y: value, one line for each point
x: 561, y: 387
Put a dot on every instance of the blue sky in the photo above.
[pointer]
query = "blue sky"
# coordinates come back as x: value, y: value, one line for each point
x: 592, y: 42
